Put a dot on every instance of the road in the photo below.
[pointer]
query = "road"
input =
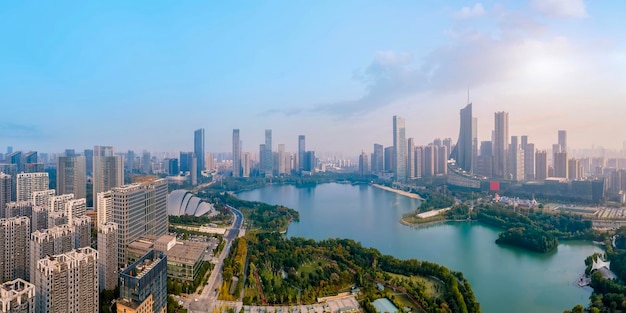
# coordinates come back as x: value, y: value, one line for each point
x: 206, y: 301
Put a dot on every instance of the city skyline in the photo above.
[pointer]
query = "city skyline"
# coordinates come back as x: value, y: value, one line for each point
x: 552, y: 65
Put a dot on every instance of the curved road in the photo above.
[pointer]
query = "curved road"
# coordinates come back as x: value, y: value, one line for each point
x: 206, y: 301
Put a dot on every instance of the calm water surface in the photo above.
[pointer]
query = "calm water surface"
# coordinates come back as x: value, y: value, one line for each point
x: 504, y: 279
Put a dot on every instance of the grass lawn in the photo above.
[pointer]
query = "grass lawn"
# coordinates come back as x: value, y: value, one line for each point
x: 433, y: 286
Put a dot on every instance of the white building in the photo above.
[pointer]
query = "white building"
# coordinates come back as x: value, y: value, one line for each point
x: 27, y: 183
x: 17, y: 296
x: 108, y: 252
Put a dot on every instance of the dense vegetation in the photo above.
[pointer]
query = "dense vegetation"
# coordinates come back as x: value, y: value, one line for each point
x: 259, y: 216
x: 530, y: 238
x: 533, y: 229
x: 434, y: 201
x: 284, y: 271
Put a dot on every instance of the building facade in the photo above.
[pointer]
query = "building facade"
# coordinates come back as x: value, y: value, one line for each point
x: 15, y: 255
x: 145, y: 278
x: 71, y: 176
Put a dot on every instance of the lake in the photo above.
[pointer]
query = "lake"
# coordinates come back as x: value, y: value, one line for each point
x: 504, y: 279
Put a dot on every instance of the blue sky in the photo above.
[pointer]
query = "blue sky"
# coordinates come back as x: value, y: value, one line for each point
x: 144, y: 74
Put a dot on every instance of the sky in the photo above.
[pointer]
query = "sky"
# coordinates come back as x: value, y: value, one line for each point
x: 143, y: 75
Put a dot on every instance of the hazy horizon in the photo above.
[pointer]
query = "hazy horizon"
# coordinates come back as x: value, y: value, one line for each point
x: 75, y: 75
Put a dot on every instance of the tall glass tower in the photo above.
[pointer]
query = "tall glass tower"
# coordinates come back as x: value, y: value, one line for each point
x: 399, y: 148
x: 198, y: 149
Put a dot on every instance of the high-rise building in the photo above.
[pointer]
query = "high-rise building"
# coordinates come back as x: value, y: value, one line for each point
x: 27, y: 183
x: 170, y: 166
x: 5, y: 192
x: 51, y: 241
x: 463, y: 152
x: 310, y: 161
x: 428, y: 161
x: 378, y: 156
x: 17, y: 296
x: 108, y: 255
x: 138, y: 210
x: 18, y: 208
x: 560, y: 164
x: 245, y: 164
x: 129, y: 162
x: 541, y: 165
x: 529, y: 159
x: 68, y: 282
x: 563, y: 140
x: 484, y: 161
x: 108, y: 170
x: 301, y: 152
x: 441, y: 160
x: 500, y: 143
x: 410, y: 159
x: 363, y: 164
x: 198, y: 149
x: 236, y: 153
x: 282, y: 165
x: 399, y: 148
x: 82, y: 231
x: 268, y: 161
x: 88, y: 153
x: 15, y: 253
x: 146, y: 163
x: 11, y: 170
x: 389, y: 159
x: 185, y: 161
x: 574, y: 169
x: 418, y: 159
x: 143, y: 283
x: 71, y: 176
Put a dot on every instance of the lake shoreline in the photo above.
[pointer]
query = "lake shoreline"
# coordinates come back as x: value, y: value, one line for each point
x: 400, y: 192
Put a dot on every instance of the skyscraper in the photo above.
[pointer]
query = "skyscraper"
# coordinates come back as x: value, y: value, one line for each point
x: 71, y: 176
x: 529, y: 159
x: 143, y: 283
x: 15, y: 253
x: 282, y: 165
x: 68, y: 282
x: 146, y: 163
x: 563, y: 140
x: 268, y: 160
x: 27, y: 183
x: 428, y: 161
x: 198, y: 149
x: 500, y: 143
x: 88, y: 153
x: 463, y: 152
x: 5, y: 191
x: 245, y: 164
x: 301, y: 152
x: 236, y: 153
x: 389, y: 159
x: 51, y: 241
x: 399, y: 148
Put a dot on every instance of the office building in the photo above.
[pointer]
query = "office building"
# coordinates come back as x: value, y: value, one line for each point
x: 198, y: 149
x: 563, y: 140
x: 236, y: 153
x: 27, y: 183
x: 529, y: 159
x: 541, y: 165
x: 129, y: 162
x: 146, y: 163
x: 71, y: 176
x: 5, y: 192
x: 170, y: 166
x: 500, y: 143
x: 399, y: 148
x: 560, y: 164
x: 15, y: 255
x: 68, y: 282
x: 143, y: 283
x: 17, y: 296
x: 185, y: 161
x: 267, y: 161
x: 108, y: 255
x: 138, y: 209
x: 193, y: 172
x: 464, y: 151
x: 50, y: 241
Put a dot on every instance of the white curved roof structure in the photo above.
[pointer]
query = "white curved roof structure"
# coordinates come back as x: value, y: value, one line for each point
x: 598, y: 264
x: 183, y: 202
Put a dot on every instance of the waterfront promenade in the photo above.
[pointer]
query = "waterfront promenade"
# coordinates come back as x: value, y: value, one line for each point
x: 400, y: 192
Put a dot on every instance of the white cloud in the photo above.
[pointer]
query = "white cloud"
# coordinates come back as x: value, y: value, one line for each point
x: 561, y: 8
x: 470, y: 12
